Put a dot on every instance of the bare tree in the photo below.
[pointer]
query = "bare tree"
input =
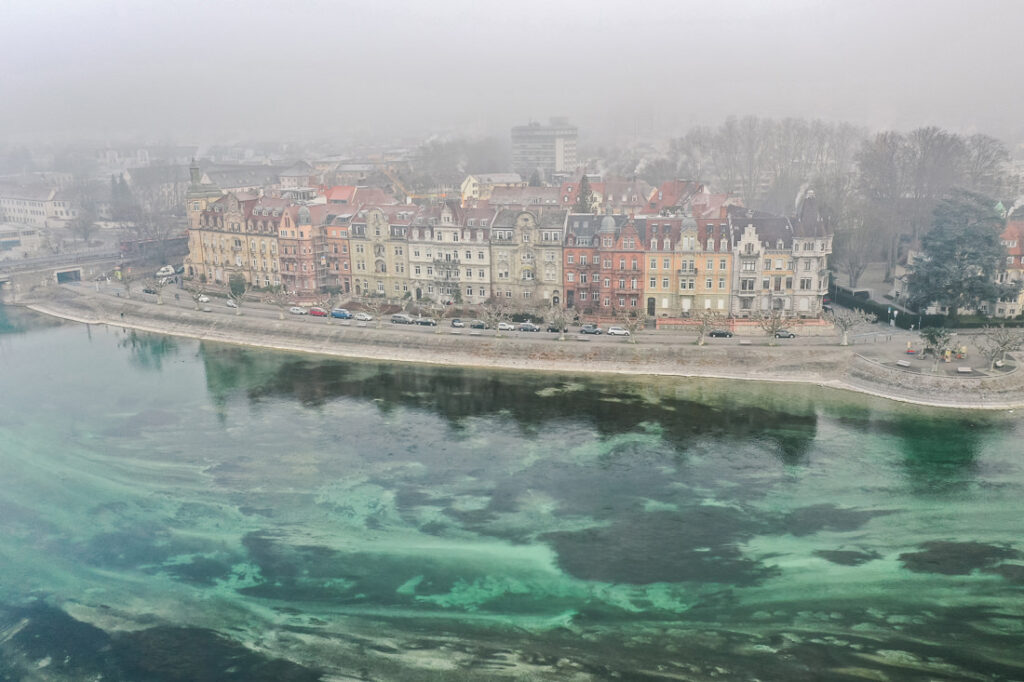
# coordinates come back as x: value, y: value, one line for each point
x: 848, y: 319
x: 127, y: 279
x: 771, y: 323
x: 437, y: 313
x: 987, y: 166
x: 156, y: 284
x: 558, y: 317
x: 375, y: 306
x: 936, y: 339
x: 635, y: 321
x: 707, y: 319
x: 996, y: 342
x: 279, y: 298
x: 495, y: 311
x: 196, y: 290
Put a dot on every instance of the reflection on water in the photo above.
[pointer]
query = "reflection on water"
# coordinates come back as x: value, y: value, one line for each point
x: 252, y: 515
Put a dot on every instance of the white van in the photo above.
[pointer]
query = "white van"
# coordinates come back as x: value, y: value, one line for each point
x: 165, y: 271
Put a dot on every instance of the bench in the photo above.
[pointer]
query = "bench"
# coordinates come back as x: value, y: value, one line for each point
x: 455, y: 331
x: 964, y: 370
x: 582, y: 337
x: 360, y: 324
x: 903, y: 363
x: 475, y: 332
x: 745, y: 342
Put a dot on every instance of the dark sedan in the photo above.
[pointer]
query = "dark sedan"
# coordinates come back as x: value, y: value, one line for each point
x: 720, y: 334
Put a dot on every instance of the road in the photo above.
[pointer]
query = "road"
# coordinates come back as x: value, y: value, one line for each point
x: 174, y: 295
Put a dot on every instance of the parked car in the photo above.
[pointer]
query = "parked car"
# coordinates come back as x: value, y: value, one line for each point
x: 785, y: 334
x: 318, y: 312
x: 203, y: 298
x: 720, y: 334
x: 363, y: 317
x: 341, y: 314
x: 401, y: 318
x: 556, y: 330
x: 165, y: 271
x: 425, y: 321
x: 590, y: 329
x: 148, y: 290
x: 618, y: 331
x: 231, y: 303
x: 298, y: 310
x: 826, y: 308
x: 477, y: 324
x: 506, y: 327
x: 458, y: 323
x: 528, y: 327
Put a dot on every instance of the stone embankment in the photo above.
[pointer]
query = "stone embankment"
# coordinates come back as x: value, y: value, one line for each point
x: 825, y: 365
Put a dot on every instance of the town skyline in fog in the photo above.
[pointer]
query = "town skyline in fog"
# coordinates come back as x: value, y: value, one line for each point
x: 310, y: 70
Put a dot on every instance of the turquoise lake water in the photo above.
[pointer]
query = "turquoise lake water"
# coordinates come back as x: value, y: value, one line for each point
x: 174, y: 510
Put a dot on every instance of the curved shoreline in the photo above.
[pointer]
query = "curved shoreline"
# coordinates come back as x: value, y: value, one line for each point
x: 825, y: 366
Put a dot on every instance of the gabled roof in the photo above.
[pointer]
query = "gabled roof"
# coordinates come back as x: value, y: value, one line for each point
x: 341, y: 194
x: 297, y: 170
x: 770, y: 228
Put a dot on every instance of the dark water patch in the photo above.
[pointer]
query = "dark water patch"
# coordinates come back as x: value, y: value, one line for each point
x: 149, y: 351
x: 1013, y: 573
x: 129, y: 548
x: 698, y: 545
x: 264, y: 512
x: 530, y: 400
x: 847, y: 557
x: 73, y: 648
x: 826, y: 517
x: 200, y: 570
x: 956, y: 558
x: 175, y: 654
x: 282, y: 562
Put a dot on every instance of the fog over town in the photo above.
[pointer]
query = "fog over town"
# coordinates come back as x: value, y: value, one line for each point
x: 201, y: 72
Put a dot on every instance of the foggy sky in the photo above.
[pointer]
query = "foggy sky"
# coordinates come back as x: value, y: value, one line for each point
x: 190, y: 68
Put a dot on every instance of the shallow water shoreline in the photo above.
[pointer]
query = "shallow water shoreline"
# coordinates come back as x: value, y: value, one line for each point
x: 830, y: 366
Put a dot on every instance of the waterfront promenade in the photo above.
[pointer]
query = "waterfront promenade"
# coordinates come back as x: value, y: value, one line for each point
x: 876, y: 364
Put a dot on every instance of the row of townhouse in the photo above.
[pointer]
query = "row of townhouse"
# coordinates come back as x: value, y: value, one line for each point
x: 716, y: 256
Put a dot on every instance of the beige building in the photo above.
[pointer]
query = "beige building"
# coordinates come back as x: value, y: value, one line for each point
x: 237, y: 235
x: 526, y: 256
x: 483, y: 185
x: 379, y: 246
x: 35, y: 204
x: 450, y: 255
x: 780, y: 264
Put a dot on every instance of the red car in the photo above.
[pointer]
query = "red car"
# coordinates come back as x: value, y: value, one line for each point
x: 318, y: 312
